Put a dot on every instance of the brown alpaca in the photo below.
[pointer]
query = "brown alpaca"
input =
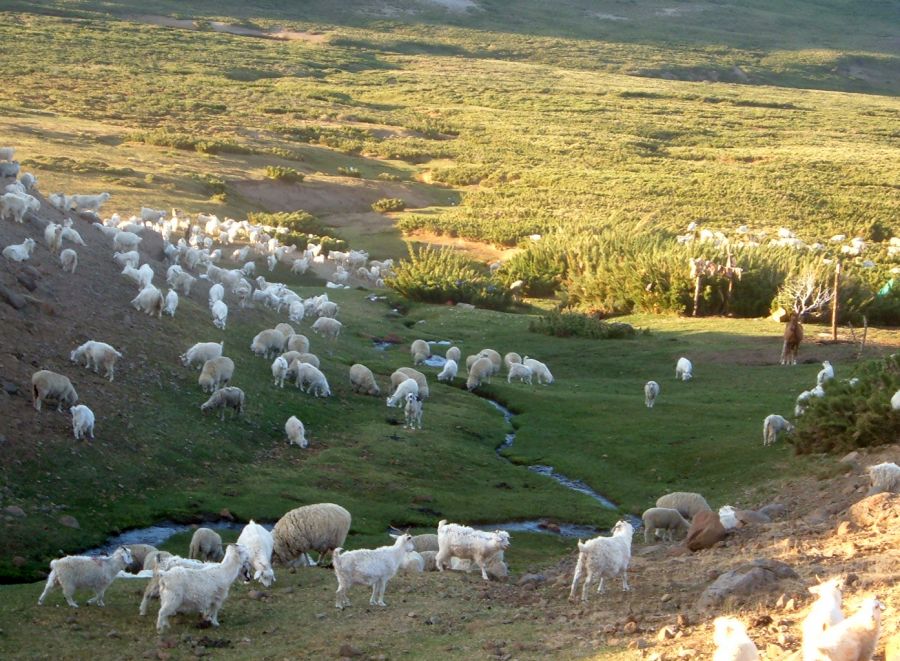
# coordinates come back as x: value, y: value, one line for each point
x: 793, y: 336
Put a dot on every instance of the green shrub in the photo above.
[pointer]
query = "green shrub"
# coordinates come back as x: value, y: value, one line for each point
x: 349, y: 171
x: 295, y: 221
x: 282, y: 173
x: 176, y: 140
x: 851, y: 417
x: 387, y: 204
x: 576, y: 324
x: 387, y: 176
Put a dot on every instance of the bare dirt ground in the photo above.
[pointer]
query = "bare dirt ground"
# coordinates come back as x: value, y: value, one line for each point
x: 482, y: 252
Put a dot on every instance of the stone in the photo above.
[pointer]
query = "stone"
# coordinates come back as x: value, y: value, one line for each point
x: 706, y: 530
x: 349, y: 651
x: 225, y: 513
x: 851, y: 458
x: 761, y: 575
x: 631, y: 628
x: 666, y: 633
x: 19, y: 561
x: 69, y: 521
x: 747, y: 517
x: 10, y: 388
x: 15, y: 510
x: 773, y: 510
x: 12, y: 298
x: 666, y: 597
x: 843, y: 529
x: 882, y: 509
x: 256, y: 595
x: 532, y: 578
x: 683, y: 620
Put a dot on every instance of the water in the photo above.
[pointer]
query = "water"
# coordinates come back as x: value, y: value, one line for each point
x: 159, y: 533
x: 541, y: 526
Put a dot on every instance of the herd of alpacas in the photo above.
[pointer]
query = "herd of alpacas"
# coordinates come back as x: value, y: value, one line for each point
x: 200, y: 582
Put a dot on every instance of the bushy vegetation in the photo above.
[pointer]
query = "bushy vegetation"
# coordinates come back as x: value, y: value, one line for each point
x: 432, y: 275
x: 176, y: 140
x: 851, y: 417
x: 295, y: 221
x: 577, y: 324
x: 283, y: 173
x: 349, y: 171
x: 387, y: 204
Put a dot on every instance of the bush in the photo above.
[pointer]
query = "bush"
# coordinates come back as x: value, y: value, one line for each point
x: 282, y: 173
x: 576, y: 324
x: 851, y: 417
x: 386, y: 204
x: 295, y: 221
x: 349, y: 171
x: 166, y: 138
x: 445, y: 276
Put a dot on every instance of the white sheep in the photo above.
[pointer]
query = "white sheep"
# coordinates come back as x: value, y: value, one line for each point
x: 15, y: 205
x: 269, y: 342
x: 131, y: 258
x: 665, y: 520
x: 149, y: 300
x: 402, y: 373
x: 539, y: 370
x: 853, y: 639
x: 604, y: 556
x: 82, y: 422
x: 219, y: 314
x: 448, y: 373
x: 895, y: 401
x: 684, y: 369
x: 95, y: 355
x: 511, y: 359
x: 363, y: 381
x: 296, y: 432
x: 406, y: 388
x: 171, y: 302
x: 327, y: 327
x: 651, y: 392
x: 413, y: 411
x: 6, y: 153
x: 142, y: 276
x: 824, y: 614
x: 773, y: 425
x: 203, y: 590
x: 72, y: 235
x: 216, y: 373
x: 216, y: 294
x: 453, y: 353
x: 50, y: 385
x: 456, y: 541
x: 688, y: 504
x: 126, y: 241
x: 298, y: 342
x: 519, y: 371
x: 29, y: 181
x: 310, y: 358
x: 296, y: 311
x: 201, y: 352
x: 68, y: 259
x: 259, y: 543
x: 229, y: 397
x: 412, y: 562
x: 373, y: 567
x: 149, y: 215
x: 179, y: 280
x: 322, y: 527
x: 311, y: 380
x: 53, y: 237
x: 300, y: 266
x: 826, y: 374
x: 88, y: 202
x: 159, y: 562
x: 496, y: 568
x: 206, y: 545
x: 285, y: 329
x: 884, y: 477
x: 420, y: 351
x: 19, y: 252
x: 481, y: 370
x: 279, y: 371
x: 75, y: 572
x: 732, y: 641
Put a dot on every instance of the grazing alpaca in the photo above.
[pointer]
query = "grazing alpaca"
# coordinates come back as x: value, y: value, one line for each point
x: 793, y: 336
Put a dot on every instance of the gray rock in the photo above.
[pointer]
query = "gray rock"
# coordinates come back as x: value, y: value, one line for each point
x: 532, y: 578
x: 15, y: 510
x: 759, y: 576
x: 69, y: 521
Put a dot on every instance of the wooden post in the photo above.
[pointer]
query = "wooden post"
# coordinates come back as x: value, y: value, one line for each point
x: 834, y: 300
x: 862, y: 345
x: 697, y: 295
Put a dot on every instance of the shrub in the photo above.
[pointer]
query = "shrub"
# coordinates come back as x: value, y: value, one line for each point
x: 166, y: 138
x: 349, y: 171
x: 387, y: 176
x: 386, y: 204
x: 295, y: 221
x: 576, y: 324
x: 282, y: 173
x: 851, y: 417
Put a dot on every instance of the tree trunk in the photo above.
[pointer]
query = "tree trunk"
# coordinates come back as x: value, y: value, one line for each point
x: 834, y: 301
x: 697, y: 296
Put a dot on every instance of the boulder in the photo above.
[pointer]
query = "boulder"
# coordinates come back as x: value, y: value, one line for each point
x: 747, y: 517
x: 69, y: 521
x: 773, y: 510
x: 880, y: 509
x: 760, y: 576
x: 14, y: 510
x: 705, y: 531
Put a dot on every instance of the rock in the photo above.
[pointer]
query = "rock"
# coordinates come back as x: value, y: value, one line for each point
x: 773, y: 510
x: 851, y: 458
x: 15, y: 510
x: 348, y: 650
x: 26, y: 280
x: 113, y: 634
x: 683, y: 620
x: 10, y: 388
x: 880, y: 509
x: 19, y: 561
x: 256, y: 595
x: 666, y: 633
x: 843, y: 529
x: 13, y: 299
x: 631, y: 628
x: 761, y: 575
x: 666, y: 597
x: 69, y: 521
x: 465, y: 306
x: 532, y: 578
x: 705, y: 531
x: 432, y: 619
x: 225, y: 513
x: 320, y: 616
x: 641, y: 644
x: 746, y: 517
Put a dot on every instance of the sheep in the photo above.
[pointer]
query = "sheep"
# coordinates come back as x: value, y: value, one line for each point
x: 159, y: 562
x: 6, y: 153
x: 154, y: 559
x: 606, y: 556
x: 279, y: 371
x: 687, y: 503
x: 142, y: 277
x: 50, y: 385
x: 322, y: 528
x: 19, y: 252
x: 481, y: 370
x: 824, y: 614
x: 853, y: 639
x: 684, y: 369
x: 216, y: 294
x: 10, y: 169
x: 296, y: 432
x: 426, y: 542
x: 466, y: 543
x: 75, y: 572
x: 453, y: 353
x: 825, y: 374
x: 539, y: 370
x: 665, y: 520
x: 448, y: 373
x: 519, y: 371
x: 181, y: 280
x: 88, y: 202
x: 126, y: 241
x: 53, y: 237
x: 82, y: 422
x: 511, y: 358
x: 420, y: 351
x: 328, y: 309
x: 327, y: 327
x: 363, y: 381
x: 494, y: 357
x: 29, y: 181
x: 269, y: 342
x: 802, y: 399
x: 308, y: 358
x: 131, y: 258
x: 496, y: 568
x: 219, y: 314
x: 216, y: 373
x: 298, y: 342
x: 149, y: 300
x: 139, y: 554
x: 884, y: 477
x: 732, y: 642
x: 95, y: 355
x: 171, y: 303
x: 223, y: 398
x: 311, y: 380
x: 413, y: 411
x: 403, y: 373
x: 651, y: 392
x: 68, y: 259
x: 201, y: 352
x: 895, y: 401
x: 408, y: 387
x: 204, y: 589
x: 412, y: 563
x: 773, y: 425
x: 373, y: 567
x: 12, y: 204
x: 72, y: 235
x: 206, y: 545
x: 259, y: 544
x: 300, y: 266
